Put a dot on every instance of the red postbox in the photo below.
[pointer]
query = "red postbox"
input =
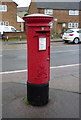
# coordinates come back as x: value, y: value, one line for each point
x: 38, y: 41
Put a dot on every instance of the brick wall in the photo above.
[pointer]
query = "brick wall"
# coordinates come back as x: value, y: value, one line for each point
x: 61, y: 15
x: 10, y: 15
x: 14, y: 35
x: 33, y: 8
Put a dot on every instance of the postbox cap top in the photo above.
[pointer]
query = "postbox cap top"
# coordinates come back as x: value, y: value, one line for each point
x: 37, y: 18
x: 38, y: 15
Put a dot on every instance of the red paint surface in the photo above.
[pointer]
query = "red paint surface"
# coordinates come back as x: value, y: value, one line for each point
x: 38, y: 61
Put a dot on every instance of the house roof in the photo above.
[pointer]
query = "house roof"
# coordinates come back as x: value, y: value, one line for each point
x: 9, y: 1
x: 58, y: 5
x: 22, y: 9
x: 6, y: 0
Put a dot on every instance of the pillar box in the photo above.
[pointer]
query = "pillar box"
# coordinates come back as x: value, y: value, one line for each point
x: 38, y: 42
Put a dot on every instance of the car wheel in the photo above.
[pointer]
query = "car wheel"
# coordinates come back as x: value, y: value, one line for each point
x: 76, y: 40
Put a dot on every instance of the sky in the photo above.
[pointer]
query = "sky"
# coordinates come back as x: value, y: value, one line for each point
x: 22, y: 3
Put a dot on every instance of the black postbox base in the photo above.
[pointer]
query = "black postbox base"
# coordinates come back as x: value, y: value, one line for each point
x: 38, y: 95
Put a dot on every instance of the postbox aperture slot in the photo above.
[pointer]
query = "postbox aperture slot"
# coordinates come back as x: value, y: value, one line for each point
x: 42, y: 43
x: 42, y: 31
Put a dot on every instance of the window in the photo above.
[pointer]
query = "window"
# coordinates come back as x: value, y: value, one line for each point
x: 4, y: 23
x: 1, y: 23
x: 69, y: 31
x: 73, y: 12
x: 13, y: 30
x: 72, y: 25
x: 48, y: 11
x: 79, y: 31
x: 3, y: 8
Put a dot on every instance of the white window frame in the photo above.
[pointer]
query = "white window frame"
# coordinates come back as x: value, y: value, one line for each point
x: 3, y: 8
x: 73, y: 25
x: 73, y: 12
x: 1, y: 23
x: 48, y: 11
x: 4, y: 23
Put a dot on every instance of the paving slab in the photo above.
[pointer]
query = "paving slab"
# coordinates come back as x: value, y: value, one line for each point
x: 63, y: 96
x: 66, y: 78
x: 61, y: 104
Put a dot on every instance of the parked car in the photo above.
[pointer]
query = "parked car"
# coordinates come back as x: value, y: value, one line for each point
x: 72, y: 35
x: 4, y: 28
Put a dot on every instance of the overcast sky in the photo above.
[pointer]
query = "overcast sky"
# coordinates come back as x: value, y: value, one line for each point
x: 22, y: 3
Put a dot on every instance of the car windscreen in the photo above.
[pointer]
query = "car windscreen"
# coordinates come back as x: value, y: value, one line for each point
x: 13, y: 30
x: 69, y: 31
x: 79, y: 31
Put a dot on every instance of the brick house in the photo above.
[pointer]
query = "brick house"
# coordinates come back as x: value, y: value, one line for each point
x: 8, y: 13
x: 65, y: 14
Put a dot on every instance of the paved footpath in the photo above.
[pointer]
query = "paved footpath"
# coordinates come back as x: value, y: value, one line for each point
x: 63, y: 97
